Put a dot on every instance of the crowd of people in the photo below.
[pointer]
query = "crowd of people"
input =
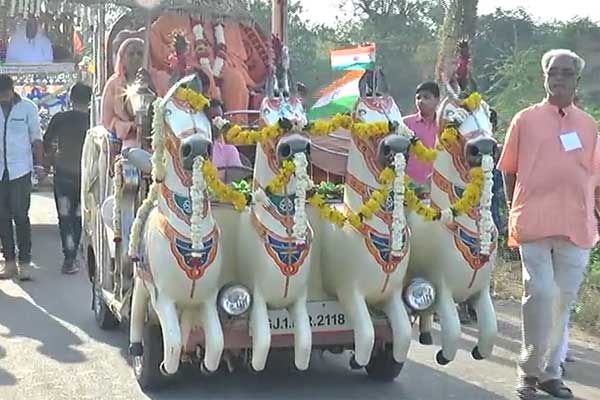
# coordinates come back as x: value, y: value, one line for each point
x: 547, y: 166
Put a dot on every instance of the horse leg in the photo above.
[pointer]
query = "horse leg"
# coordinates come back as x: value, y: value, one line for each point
x: 139, y: 301
x: 188, y: 323
x: 213, y: 335
x: 171, y: 331
x: 487, y: 324
x: 450, y: 326
x: 364, y: 332
x: 400, y: 324
x: 261, y: 332
x: 302, y: 333
x: 425, y: 327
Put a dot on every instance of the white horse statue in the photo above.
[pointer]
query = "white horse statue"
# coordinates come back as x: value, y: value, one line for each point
x: 457, y: 253
x: 175, y: 240
x: 364, y: 266
x: 274, y: 243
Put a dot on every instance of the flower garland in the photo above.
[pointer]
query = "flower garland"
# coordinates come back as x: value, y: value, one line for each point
x: 467, y: 201
x: 367, y: 209
x: 486, y: 222
x: 197, y: 192
x: 118, y: 197
x: 326, y: 211
x: 360, y: 129
x: 303, y: 183
x: 235, y: 134
x: 472, y: 102
x: 158, y: 175
x: 398, y: 217
x: 196, y: 100
x: 221, y: 51
x: 422, y: 152
x: 277, y: 184
x: 222, y: 191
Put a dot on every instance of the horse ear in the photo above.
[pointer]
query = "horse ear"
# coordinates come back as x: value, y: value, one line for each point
x: 381, y: 85
x: 363, y: 84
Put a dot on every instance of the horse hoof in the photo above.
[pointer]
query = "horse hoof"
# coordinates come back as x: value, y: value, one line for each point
x: 205, y: 371
x: 136, y: 349
x: 353, y: 364
x: 163, y: 370
x: 441, y: 360
x: 426, y: 339
x: 476, y: 354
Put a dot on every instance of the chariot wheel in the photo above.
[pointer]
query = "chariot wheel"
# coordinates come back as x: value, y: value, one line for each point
x: 382, y: 366
x: 105, y: 319
x: 147, y: 366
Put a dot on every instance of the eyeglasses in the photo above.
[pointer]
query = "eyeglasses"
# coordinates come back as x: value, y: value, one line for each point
x: 565, y: 73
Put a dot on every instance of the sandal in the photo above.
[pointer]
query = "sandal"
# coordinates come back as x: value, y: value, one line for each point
x: 556, y: 388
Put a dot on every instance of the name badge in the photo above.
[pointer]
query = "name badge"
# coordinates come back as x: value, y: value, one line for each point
x: 570, y: 141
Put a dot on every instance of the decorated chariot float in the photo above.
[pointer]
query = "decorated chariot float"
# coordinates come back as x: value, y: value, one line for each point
x: 215, y: 273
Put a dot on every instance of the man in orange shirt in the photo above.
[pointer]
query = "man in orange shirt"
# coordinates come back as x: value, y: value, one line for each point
x: 550, y: 161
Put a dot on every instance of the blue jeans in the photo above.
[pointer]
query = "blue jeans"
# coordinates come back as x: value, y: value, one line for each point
x: 67, y: 193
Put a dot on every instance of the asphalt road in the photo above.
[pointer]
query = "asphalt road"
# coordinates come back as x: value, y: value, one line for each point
x: 50, y: 349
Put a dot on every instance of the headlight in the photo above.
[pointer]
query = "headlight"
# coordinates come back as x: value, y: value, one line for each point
x: 419, y: 295
x: 235, y: 300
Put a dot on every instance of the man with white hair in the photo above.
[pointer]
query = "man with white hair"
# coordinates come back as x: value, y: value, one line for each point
x: 550, y: 162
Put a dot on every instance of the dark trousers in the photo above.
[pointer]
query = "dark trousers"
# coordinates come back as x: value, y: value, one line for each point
x: 15, y: 199
x: 67, y: 195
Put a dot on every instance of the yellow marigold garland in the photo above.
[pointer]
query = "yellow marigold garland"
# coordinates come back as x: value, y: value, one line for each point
x: 449, y: 135
x: 196, y: 100
x: 277, y: 184
x: 367, y: 209
x: 322, y: 127
x: 224, y: 192
x: 422, y: 152
x: 472, y: 102
x: 235, y: 134
x: 370, y: 129
x: 467, y: 201
x: 326, y: 211
x: 361, y: 129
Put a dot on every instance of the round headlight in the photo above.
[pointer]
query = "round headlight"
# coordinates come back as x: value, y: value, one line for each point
x: 419, y: 295
x: 235, y: 300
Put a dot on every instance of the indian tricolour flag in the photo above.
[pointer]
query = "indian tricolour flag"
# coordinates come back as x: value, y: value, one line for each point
x: 339, y: 97
x: 357, y: 57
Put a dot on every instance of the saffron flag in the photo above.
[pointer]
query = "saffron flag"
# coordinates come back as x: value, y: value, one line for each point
x: 356, y: 57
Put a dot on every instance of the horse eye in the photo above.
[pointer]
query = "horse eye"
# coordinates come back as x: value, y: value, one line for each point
x: 362, y: 112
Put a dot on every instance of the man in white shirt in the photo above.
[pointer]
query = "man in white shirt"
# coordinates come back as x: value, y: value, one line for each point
x: 29, y: 45
x: 20, y: 145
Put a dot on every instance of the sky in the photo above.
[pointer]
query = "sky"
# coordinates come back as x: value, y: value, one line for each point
x: 325, y: 11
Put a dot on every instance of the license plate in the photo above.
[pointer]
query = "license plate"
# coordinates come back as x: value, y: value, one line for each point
x: 325, y: 316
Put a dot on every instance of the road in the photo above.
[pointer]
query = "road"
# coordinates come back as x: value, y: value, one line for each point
x: 50, y: 349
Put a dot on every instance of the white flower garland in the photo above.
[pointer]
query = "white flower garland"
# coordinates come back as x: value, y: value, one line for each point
x: 303, y: 183
x: 219, y: 62
x: 158, y: 175
x: 398, y: 217
x: 486, y: 223
x: 118, y: 197
x: 197, y: 193
x: 220, y: 122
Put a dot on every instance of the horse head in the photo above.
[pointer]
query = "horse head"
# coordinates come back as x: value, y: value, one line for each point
x: 283, y: 108
x: 473, y: 124
x: 187, y: 132
x: 375, y: 104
